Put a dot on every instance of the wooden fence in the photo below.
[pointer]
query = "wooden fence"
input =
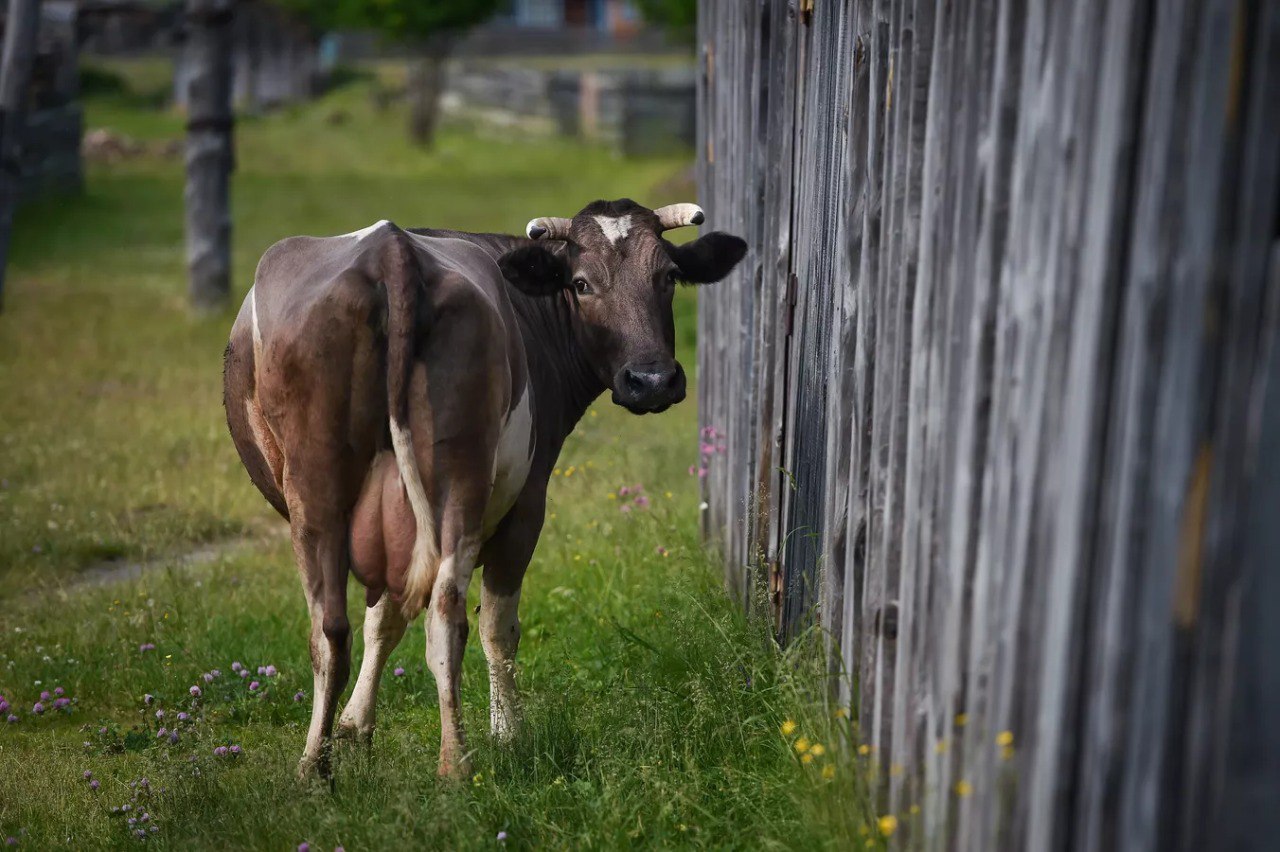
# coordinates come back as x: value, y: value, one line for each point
x: 993, y: 395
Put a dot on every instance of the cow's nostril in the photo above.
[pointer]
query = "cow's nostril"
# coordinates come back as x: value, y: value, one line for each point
x: 635, y: 382
x: 673, y: 378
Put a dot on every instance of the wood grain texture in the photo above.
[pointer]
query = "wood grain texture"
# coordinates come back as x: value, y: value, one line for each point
x: 998, y: 384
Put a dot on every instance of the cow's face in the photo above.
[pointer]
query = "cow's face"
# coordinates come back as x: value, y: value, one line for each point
x: 621, y: 275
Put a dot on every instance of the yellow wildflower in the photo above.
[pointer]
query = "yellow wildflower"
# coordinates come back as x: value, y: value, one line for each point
x: 818, y: 750
x: 888, y: 825
x: 915, y: 809
x: 828, y: 772
x: 555, y: 472
x: 788, y: 728
x: 802, y: 745
x: 667, y: 494
x: 941, y: 747
x: 962, y: 719
x: 864, y: 749
x: 808, y: 758
x: 963, y: 788
x: 1004, y: 738
x: 611, y: 496
x: 1006, y: 752
x: 842, y: 712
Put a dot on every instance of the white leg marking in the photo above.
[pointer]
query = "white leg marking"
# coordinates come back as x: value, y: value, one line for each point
x: 383, y: 629
x: 313, y: 751
x: 425, y: 549
x: 614, y: 228
x: 500, y: 636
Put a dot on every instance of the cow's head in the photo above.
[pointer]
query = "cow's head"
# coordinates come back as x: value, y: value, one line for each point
x: 615, y: 265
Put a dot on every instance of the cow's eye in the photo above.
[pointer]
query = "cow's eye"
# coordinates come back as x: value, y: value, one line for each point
x: 581, y: 287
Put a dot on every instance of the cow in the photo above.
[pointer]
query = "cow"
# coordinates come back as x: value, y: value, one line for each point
x: 401, y: 396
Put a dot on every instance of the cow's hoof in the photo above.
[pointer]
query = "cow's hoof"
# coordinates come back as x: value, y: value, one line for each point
x: 349, y: 733
x: 458, y: 769
x: 315, y: 772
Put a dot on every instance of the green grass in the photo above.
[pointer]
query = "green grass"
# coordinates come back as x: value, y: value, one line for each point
x: 653, y: 707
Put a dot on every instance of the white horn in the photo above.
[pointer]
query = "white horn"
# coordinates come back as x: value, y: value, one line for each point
x: 548, y: 227
x: 679, y: 215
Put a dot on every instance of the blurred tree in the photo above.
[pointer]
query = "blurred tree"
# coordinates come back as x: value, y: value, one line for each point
x: 677, y: 17
x: 429, y: 27
x: 21, y: 26
x: 209, y: 153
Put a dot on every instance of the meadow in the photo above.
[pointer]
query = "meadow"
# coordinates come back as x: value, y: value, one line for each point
x: 153, y: 659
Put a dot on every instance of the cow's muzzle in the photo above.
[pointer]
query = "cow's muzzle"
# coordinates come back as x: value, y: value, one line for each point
x: 649, y: 387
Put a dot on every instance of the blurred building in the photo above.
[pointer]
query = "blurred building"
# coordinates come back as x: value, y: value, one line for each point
x: 618, y: 18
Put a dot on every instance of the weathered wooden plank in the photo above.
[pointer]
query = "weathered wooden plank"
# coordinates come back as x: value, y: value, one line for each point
x: 1024, y: 462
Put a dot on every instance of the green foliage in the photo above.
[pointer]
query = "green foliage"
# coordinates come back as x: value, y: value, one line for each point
x: 678, y: 17
x: 400, y: 20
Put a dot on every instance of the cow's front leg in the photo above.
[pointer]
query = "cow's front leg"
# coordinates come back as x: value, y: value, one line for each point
x: 500, y: 636
x: 505, y: 557
x: 384, y: 626
x: 446, y: 626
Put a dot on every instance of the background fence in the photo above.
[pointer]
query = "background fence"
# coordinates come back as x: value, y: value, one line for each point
x: 994, y: 391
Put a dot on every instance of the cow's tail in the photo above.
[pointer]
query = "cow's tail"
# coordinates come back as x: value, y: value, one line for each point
x: 402, y: 276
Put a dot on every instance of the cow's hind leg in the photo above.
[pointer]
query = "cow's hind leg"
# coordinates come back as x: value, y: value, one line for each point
x: 384, y: 626
x: 320, y: 547
x: 446, y: 627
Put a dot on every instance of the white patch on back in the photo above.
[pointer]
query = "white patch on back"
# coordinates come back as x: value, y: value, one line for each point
x: 614, y: 228
x: 257, y: 333
x: 511, y: 460
x: 364, y: 232
x: 422, y: 568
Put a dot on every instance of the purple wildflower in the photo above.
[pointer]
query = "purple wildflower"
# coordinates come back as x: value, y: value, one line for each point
x: 195, y: 691
x: 4, y: 705
x: 244, y: 673
x: 148, y: 698
x: 37, y: 708
x: 45, y: 696
x: 304, y: 846
x: 182, y: 717
x: 399, y: 671
x: 236, y: 666
x: 62, y: 702
x: 87, y: 774
x: 11, y: 841
x: 220, y: 751
x: 159, y: 714
x: 269, y: 671
x: 216, y: 673
x: 253, y: 687
x: 124, y: 809
x: 208, y: 677
x: 624, y: 491
x: 662, y: 551
x: 163, y: 732
x: 12, y: 719
x: 57, y: 690
x: 103, y: 730
x: 262, y: 670
x: 625, y: 508
x: 235, y: 749
x: 93, y: 785
x: 642, y: 502
x: 173, y: 738
x: 146, y: 646
x: 299, y: 695
x: 502, y: 837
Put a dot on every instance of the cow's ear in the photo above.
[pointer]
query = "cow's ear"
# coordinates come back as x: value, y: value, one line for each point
x: 708, y: 258
x: 535, y: 270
